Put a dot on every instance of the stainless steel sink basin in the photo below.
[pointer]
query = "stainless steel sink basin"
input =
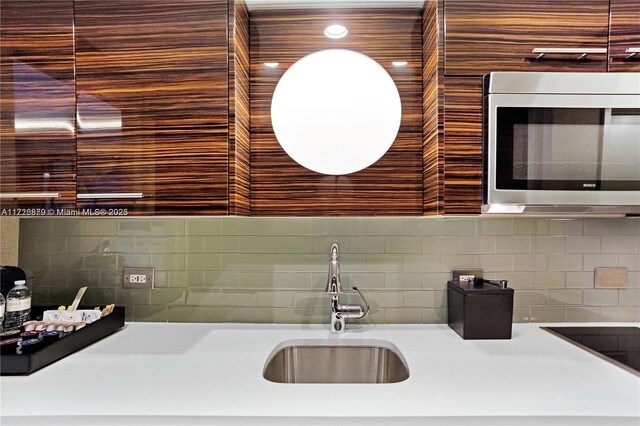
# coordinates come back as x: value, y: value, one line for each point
x: 336, y: 362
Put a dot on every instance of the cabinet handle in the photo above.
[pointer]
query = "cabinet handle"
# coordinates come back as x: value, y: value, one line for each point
x: 632, y: 51
x: 581, y: 52
x: 110, y: 195
x: 30, y: 195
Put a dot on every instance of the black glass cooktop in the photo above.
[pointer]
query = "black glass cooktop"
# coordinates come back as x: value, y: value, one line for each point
x: 620, y: 345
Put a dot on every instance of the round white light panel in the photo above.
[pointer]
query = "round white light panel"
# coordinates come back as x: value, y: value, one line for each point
x: 336, y: 111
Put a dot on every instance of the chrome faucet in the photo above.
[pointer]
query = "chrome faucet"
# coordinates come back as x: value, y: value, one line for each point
x: 340, y: 312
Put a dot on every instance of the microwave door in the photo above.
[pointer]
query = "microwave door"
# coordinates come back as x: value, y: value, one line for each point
x: 563, y: 149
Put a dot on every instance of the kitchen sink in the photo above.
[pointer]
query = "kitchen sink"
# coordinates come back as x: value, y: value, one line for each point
x: 344, y: 361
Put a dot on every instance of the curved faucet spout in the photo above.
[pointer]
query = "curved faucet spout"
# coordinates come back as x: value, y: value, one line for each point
x: 333, y: 281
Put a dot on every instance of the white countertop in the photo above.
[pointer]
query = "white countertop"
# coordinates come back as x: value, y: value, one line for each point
x: 183, y: 374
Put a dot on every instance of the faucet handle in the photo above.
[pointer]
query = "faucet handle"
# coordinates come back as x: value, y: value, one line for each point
x: 366, y: 304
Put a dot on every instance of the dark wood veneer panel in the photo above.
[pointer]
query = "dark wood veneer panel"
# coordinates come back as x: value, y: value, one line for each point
x: 463, y: 146
x: 393, y: 185
x: 152, y: 87
x: 495, y: 35
x: 37, y: 102
x: 239, y: 107
x: 433, y: 106
x: 624, y: 32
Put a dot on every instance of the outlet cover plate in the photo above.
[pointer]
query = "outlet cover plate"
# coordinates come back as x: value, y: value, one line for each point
x: 457, y: 273
x: 138, y: 278
x: 611, y: 277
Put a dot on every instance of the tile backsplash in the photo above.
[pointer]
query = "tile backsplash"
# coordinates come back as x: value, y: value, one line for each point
x: 240, y: 269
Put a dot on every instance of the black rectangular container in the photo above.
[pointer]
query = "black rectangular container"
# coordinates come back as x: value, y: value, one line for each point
x: 480, y: 311
x: 25, y: 364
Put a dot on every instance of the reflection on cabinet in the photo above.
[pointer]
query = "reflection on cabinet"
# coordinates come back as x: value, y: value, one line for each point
x: 152, y: 105
x: 391, y: 186
x: 624, y: 36
x: 37, y: 105
x: 497, y: 35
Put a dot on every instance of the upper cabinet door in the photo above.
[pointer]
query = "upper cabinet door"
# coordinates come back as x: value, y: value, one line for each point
x: 37, y: 105
x: 152, y: 105
x: 542, y: 35
x: 624, y: 36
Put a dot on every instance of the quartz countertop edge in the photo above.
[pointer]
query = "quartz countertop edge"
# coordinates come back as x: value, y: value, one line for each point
x: 197, y: 374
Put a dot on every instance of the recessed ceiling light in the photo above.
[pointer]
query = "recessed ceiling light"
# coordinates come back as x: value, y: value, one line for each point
x: 399, y: 63
x: 271, y: 64
x: 336, y: 31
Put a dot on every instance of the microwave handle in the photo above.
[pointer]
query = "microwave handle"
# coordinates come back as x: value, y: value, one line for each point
x: 111, y: 195
x: 630, y: 53
x: 581, y: 52
x: 29, y: 195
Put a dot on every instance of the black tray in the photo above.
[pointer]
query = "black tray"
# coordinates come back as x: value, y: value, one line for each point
x: 23, y: 365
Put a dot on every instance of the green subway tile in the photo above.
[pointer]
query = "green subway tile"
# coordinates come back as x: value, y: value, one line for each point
x: 402, y: 315
x: 441, y: 245
x: 601, y: 297
x: 383, y: 299
x: 101, y: 227
x: 160, y: 279
x: 401, y: 281
x: 168, y: 296
x: 202, y: 262
x: 418, y: 299
x: 98, y: 296
x: 460, y: 261
x: 311, y: 262
x: 275, y: 226
x: 134, y: 261
x: 298, y: 315
x: 619, y: 313
x: 218, y: 314
x: 292, y: 280
x: 546, y: 314
x: 322, y: 245
x: 384, y: 263
x: 521, y: 314
x: 150, y: 313
x: 435, y: 280
x: 134, y: 227
x: 275, y: 299
x: 239, y: 262
x: 84, y: 278
x: 419, y: 263
x: 203, y: 297
x: 51, y: 277
x: 365, y: 245
x: 49, y: 244
x: 32, y: 227
x: 433, y: 315
x: 65, y: 296
x: 239, y: 226
x: 348, y: 226
x: 530, y: 297
x: 220, y: 244
x: 168, y: 262
x: 33, y: 261
x: 310, y: 299
x: 185, y: 314
x: 253, y: 244
x: 547, y: 244
x: 237, y: 279
x: 67, y: 227
x: 579, y: 279
x: 168, y: 244
x: 422, y: 226
x: 191, y: 279
x: 456, y: 226
x: 98, y: 244
x: 203, y: 227
x: 100, y: 262
x: 252, y: 315
x: 495, y: 226
x: 514, y: 244
x: 385, y: 226
x: 529, y: 262
x: 310, y: 226
x: 40, y: 295
x: 364, y: 280
x: 440, y: 299
x: 564, y: 297
x: 352, y: 262
x: 168, y: 227
x: 296, y: 244
x: 582, y: 314
x: 547, y: 279
x: 402, y: 245
x: 128, y: 296
x: 66, y: 261
x: 276, y: 262
x: 564, y: 262
x: 111, y: 279
x: 493, y: 263
x: 239, y: 298
x: 319, y: 280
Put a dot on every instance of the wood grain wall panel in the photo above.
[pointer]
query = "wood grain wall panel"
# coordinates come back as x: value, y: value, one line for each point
x: 433, y: 106
x: 239, y: 107
x: 463, y: 146
x: 495, y: 35
x: 37, y: 102
x: 393, y: 185
x: 624, y: 33
x: 152, y: 99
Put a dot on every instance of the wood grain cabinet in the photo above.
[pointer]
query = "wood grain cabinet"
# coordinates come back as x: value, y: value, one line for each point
x: 152, y: 105
x: 37, y: 105
x: 497, y: 35
x: 624, y: 36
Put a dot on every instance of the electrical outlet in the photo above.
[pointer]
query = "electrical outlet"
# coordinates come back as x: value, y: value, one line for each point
x: 138, y: 278
x: 464, y: 274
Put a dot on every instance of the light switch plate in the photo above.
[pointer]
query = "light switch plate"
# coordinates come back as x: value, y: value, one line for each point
x: 138, y: 278
x: 611, y: 277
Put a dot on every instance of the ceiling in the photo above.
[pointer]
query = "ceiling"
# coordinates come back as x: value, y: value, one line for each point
x: 326, y: 4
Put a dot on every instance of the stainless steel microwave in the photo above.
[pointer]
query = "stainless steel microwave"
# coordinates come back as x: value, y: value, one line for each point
x: 561, y: 143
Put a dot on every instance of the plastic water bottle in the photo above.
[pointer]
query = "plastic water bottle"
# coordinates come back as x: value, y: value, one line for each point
x: 18, y: 306
x: 2, y: 306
